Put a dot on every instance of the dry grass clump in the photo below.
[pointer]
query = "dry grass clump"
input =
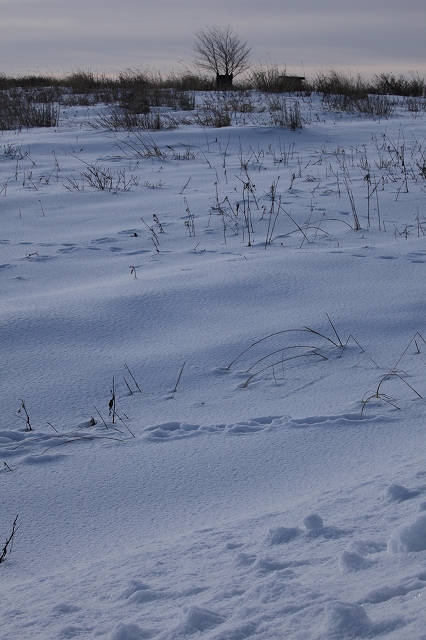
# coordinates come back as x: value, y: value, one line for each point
x: 268, y: 78
x: 389, y: 84
x: 336, y: 83
x: 374, y: 106
x: 357, y: 86
x: 358, y: 95
x: 124, y: 119
x: 21, y: 109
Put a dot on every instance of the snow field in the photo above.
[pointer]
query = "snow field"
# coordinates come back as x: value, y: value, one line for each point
x: 277, y: 488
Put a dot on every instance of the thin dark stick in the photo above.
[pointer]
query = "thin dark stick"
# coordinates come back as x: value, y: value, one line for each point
x: 127, y: 385
x: 296, y: 346
x: 346, y: 344
x: 337, y: 335
x: 106, y: 426
x: 121, y: 419
x: 276, y: 333
x: 133, y: 378
x: 302, y: 355
x: 182, y: 190
x: 9, y: 541
x: 27, y: 417
x: 176, y: 385
x: 111, y: 404
x: 79, y: 439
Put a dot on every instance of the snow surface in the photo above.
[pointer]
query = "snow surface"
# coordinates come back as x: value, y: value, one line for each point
x: 277, y: 488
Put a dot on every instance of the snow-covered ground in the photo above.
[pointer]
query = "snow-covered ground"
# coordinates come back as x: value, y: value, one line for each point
x: 265, y: 473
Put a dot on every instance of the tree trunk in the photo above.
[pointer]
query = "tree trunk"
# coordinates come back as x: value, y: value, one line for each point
x: 224, y: 81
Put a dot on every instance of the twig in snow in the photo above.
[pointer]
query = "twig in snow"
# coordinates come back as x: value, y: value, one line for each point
x: 27, y: 417
x: 9, y: 541
x: 133, y: 378
x: 178, y: 380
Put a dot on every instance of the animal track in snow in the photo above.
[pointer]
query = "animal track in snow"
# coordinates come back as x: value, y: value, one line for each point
x: 385, y: 593
x: 178, y: 430
x: 398, y: 493
x: 346, y: 620
x: 409, y: 537
x: 283, y: 535
x: 351, y: 561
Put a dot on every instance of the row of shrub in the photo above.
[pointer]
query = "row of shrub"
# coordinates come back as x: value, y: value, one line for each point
x: 97, y: 88
x: 34, y: 101
x: 265, y: 78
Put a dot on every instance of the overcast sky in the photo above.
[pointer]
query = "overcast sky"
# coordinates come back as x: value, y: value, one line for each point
x: 58, y: 36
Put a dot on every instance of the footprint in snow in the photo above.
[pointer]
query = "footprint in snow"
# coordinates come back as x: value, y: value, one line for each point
x: 386, y: 593
x: 66, y: 248
x: 42, y: 459
x: 268, y: 565
x: 129, y: 232
x: 354, y: 558
x: 283, y: 535
x: 198, y: 619
x: 230, y: 546
x: 72, y: 631
x: 399, y: 493
x: 131, y: 631
x: 351, y: 562
x: 132, y: 587
x: 409, y: 537
x: 137, y: 592
x: 346, y: 620
x: 102, y: 240
x: 313, y: 521
x: 314, y: 528
x: 64, y: 608
x: 344, y: 419
x: 245, y: 559
x: 177, y: 430
x: 367, y: 547
x: 328, y: 533
x: 171, y: 431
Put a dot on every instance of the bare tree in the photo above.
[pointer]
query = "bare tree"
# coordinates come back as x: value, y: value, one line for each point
x: 218, y: 49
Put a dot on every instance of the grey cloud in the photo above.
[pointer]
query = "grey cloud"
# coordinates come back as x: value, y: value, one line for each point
x: 103, y: 35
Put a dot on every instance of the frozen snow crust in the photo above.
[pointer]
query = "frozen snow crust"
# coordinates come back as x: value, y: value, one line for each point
x: 273, y: 486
